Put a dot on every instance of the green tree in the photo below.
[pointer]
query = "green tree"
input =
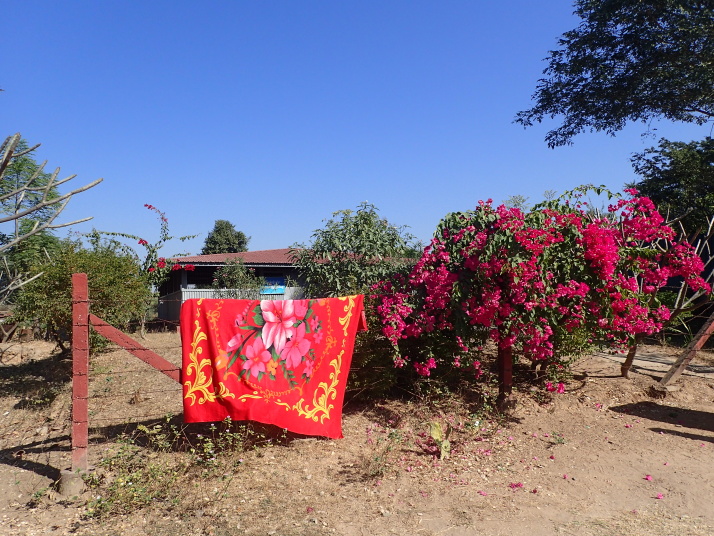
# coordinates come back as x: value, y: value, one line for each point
x: 354, y: 250
x: 628, y: 60
x: 235, y: 280
x: 35, y: 249
x: 24, y: 170
x: 30, y: 203
x: 679, y: 178
x: 224, y: 238
x: 117, y: 289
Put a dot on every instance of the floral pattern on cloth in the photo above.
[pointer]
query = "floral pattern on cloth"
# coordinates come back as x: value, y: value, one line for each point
x: 281, y: 362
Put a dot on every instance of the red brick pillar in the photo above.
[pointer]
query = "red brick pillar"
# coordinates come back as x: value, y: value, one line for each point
x: 80, y: 372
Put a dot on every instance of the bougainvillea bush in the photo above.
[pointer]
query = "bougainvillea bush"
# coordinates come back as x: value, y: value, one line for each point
x: 155, y: 268
x: 548, y: 283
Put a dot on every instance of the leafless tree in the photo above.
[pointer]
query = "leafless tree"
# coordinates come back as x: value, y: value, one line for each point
x: 48, y: 202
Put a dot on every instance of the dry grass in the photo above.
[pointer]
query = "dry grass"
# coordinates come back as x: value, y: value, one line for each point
x: 559, y: 464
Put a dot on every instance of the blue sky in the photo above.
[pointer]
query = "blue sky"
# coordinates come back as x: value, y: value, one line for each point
x: 274, y: 114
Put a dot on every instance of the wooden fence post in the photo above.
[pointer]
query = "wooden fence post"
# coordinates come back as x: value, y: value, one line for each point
x: 689, y: 352
x: 80, y: 372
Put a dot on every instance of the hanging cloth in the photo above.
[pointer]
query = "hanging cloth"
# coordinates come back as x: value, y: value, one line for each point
x: 281, y: 362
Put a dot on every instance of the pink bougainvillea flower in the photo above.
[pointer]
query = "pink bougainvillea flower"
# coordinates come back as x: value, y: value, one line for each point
x: 561, y: 388
x: 481, y: 492
x: 550, y: 387
x: 648, y: 477
x: 425, y: 369
x: 295, y: 348
x: 152, y: 269
x: 142, y: 242
x: 279, y: 317
x: 659, y: 496
x: 257, y: 356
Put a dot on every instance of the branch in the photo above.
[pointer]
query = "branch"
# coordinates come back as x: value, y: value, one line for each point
x: 58, y: 204
x: 48, y: 203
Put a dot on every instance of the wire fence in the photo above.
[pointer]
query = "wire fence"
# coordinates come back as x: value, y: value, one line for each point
x: 124, y: 392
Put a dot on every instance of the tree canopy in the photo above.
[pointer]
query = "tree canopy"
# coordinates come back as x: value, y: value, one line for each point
x: 24, y: 170
x: 117, y: 288
x: 235, y: 280
x: 628, y: 60
x: 30, y: 202
x: 354, y: 250
x: 225, y: 238
x: 679, y: 178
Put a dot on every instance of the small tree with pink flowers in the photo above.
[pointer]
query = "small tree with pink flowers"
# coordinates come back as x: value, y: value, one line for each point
x: 156, y: 268
x: 545, y: 285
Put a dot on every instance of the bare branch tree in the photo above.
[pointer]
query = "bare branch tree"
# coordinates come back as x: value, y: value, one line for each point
x: 48, y: 202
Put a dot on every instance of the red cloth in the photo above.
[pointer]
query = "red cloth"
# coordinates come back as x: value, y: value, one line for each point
x: 276, y: 362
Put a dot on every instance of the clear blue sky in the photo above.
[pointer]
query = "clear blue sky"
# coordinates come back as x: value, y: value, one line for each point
x: 274, y: 114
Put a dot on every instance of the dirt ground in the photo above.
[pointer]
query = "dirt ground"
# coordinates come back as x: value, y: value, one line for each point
x: 603, y: 458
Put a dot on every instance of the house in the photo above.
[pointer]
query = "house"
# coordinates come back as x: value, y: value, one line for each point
x: 274, y: 265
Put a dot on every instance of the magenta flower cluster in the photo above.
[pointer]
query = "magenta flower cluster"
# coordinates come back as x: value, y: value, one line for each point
x: 531, y: 280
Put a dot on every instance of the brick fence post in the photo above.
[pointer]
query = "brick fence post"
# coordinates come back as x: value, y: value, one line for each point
x: 80, y: 372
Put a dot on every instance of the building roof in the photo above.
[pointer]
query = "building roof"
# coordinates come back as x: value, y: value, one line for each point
x: 271, y: 257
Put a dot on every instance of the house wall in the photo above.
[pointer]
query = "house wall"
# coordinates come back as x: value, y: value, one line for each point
x: 202, y: 277
x: 170, y: 304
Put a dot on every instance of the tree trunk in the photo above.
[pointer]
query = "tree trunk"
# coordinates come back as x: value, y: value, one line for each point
x: 505, y: 399
x: 625, y: 367
x: 689, y: 352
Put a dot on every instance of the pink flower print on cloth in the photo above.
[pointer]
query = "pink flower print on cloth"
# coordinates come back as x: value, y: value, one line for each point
x: 295, y: 348
x: 257, y: 356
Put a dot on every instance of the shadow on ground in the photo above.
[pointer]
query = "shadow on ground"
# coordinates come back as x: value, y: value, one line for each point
x: 689, y: 418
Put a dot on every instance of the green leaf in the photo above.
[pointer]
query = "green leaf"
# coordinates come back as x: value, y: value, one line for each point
x: 234, y: 358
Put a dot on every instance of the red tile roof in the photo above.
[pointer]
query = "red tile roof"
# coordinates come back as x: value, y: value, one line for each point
x: 266, y: 256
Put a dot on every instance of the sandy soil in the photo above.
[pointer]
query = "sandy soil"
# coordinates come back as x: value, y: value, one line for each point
x: 604, y: 458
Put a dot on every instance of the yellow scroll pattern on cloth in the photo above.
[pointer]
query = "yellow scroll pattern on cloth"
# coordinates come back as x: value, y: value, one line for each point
x: 201, y: 384
x: 322, y: 395
x: 200, y: 390
x: 324, y: 392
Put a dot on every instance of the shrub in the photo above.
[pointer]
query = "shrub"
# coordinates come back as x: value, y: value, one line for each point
x: 118, y: 291
x: 354, y: 251
x: 548, y: 283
